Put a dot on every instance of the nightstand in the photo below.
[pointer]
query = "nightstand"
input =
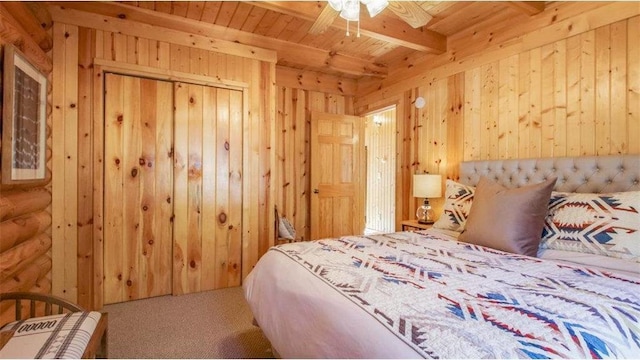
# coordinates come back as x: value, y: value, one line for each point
x: 414, y: 225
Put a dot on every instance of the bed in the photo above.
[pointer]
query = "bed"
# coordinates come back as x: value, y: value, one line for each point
x: 427, y: 294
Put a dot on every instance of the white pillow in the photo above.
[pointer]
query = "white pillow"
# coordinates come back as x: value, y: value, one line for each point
x: 458, y: 199
x: 603, y: 224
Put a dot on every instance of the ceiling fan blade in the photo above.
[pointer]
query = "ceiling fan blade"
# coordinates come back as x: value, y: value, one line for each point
x: 324, y: 20
x: 412, y: 13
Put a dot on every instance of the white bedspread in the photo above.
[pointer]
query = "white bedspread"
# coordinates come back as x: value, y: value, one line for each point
x: 305, y: 315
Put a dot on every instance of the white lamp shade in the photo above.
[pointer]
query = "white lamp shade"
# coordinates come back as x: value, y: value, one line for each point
x: 427, y: 186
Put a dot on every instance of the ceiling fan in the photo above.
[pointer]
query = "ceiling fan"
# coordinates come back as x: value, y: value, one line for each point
x: 409, y: 11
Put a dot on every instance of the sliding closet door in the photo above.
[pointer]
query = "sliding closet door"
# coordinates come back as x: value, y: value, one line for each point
x: 208, y: 188
x: 138, y: 198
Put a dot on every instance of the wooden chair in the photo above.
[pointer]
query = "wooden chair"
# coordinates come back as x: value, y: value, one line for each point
x: 53, y: 305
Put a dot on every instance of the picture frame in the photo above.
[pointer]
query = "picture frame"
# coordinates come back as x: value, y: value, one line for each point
x: 24, y: 119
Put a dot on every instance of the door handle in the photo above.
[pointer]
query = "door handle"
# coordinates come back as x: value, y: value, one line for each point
x: 316, y: 191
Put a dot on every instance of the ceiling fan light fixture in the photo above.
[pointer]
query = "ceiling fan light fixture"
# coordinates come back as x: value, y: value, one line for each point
x: 350, y: 10
x: 375, y: 7
x: 336, y: 4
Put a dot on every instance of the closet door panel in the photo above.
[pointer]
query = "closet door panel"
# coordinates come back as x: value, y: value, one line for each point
x: 222, y: 185
x: 138, y: 172
x: 131, y: 202
x: 181, y: 183
x: 194, y: 189
x: 113, y: 187
x: 188, y: 237
x: 209, y: 172
x: 208, y: 188
x: 159, y: 248
x: 234, y: 270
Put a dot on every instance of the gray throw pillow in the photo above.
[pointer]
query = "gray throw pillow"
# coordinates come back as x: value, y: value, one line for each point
x: 508, y: 219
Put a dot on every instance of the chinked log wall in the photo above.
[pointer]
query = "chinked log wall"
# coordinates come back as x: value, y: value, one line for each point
x: 25, y: 212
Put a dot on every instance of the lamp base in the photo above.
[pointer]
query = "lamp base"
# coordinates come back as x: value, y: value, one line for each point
x: 425, y: 213
x: 428, y: 222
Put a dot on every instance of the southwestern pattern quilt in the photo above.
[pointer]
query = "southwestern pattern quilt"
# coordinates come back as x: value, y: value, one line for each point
x: 448, y: 299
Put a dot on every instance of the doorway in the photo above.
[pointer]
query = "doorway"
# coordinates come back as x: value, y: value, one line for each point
x: 380, y: 142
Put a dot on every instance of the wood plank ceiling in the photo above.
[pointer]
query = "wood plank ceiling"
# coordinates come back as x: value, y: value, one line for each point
x: 285, y: 26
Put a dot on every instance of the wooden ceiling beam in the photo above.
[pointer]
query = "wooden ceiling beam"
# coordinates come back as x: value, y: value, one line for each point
x: 315, y: 81
x: 287, y: 51
x: 381, y: 27
x: 528, y: 7
x: 411, y: 12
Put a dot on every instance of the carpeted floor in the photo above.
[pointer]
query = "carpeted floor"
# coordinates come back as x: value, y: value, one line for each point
x: 212, y: 324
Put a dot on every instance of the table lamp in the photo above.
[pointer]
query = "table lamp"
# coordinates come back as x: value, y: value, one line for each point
x: 426, y: 186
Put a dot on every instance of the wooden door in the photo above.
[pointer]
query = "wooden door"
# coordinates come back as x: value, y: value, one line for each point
x: 337, y: 160
x: 208, y: 188
x: 138, y: 194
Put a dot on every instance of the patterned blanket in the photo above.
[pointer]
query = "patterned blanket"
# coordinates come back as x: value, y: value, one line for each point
x: 448, y: 299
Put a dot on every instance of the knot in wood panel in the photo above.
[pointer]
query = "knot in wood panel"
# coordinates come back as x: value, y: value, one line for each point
x: 222, y: 218
x: 134, y: 172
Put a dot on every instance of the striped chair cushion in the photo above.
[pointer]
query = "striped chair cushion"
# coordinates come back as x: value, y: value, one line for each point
x: 55, y: 336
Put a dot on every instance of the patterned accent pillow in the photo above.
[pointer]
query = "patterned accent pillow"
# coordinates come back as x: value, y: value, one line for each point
x: 457, y: 203
x: 286, y: 230
x: 603, y: 224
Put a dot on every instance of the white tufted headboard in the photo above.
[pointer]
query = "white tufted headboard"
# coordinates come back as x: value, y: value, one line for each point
x: 584, y: 174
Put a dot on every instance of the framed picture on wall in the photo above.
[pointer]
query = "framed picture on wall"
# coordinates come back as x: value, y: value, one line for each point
x: 24, y: 117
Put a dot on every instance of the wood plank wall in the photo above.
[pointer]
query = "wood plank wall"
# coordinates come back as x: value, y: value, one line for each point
x: 25, y: 213
x: 291, y: 174
x: 79, y: 50
x: 577, y: 95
